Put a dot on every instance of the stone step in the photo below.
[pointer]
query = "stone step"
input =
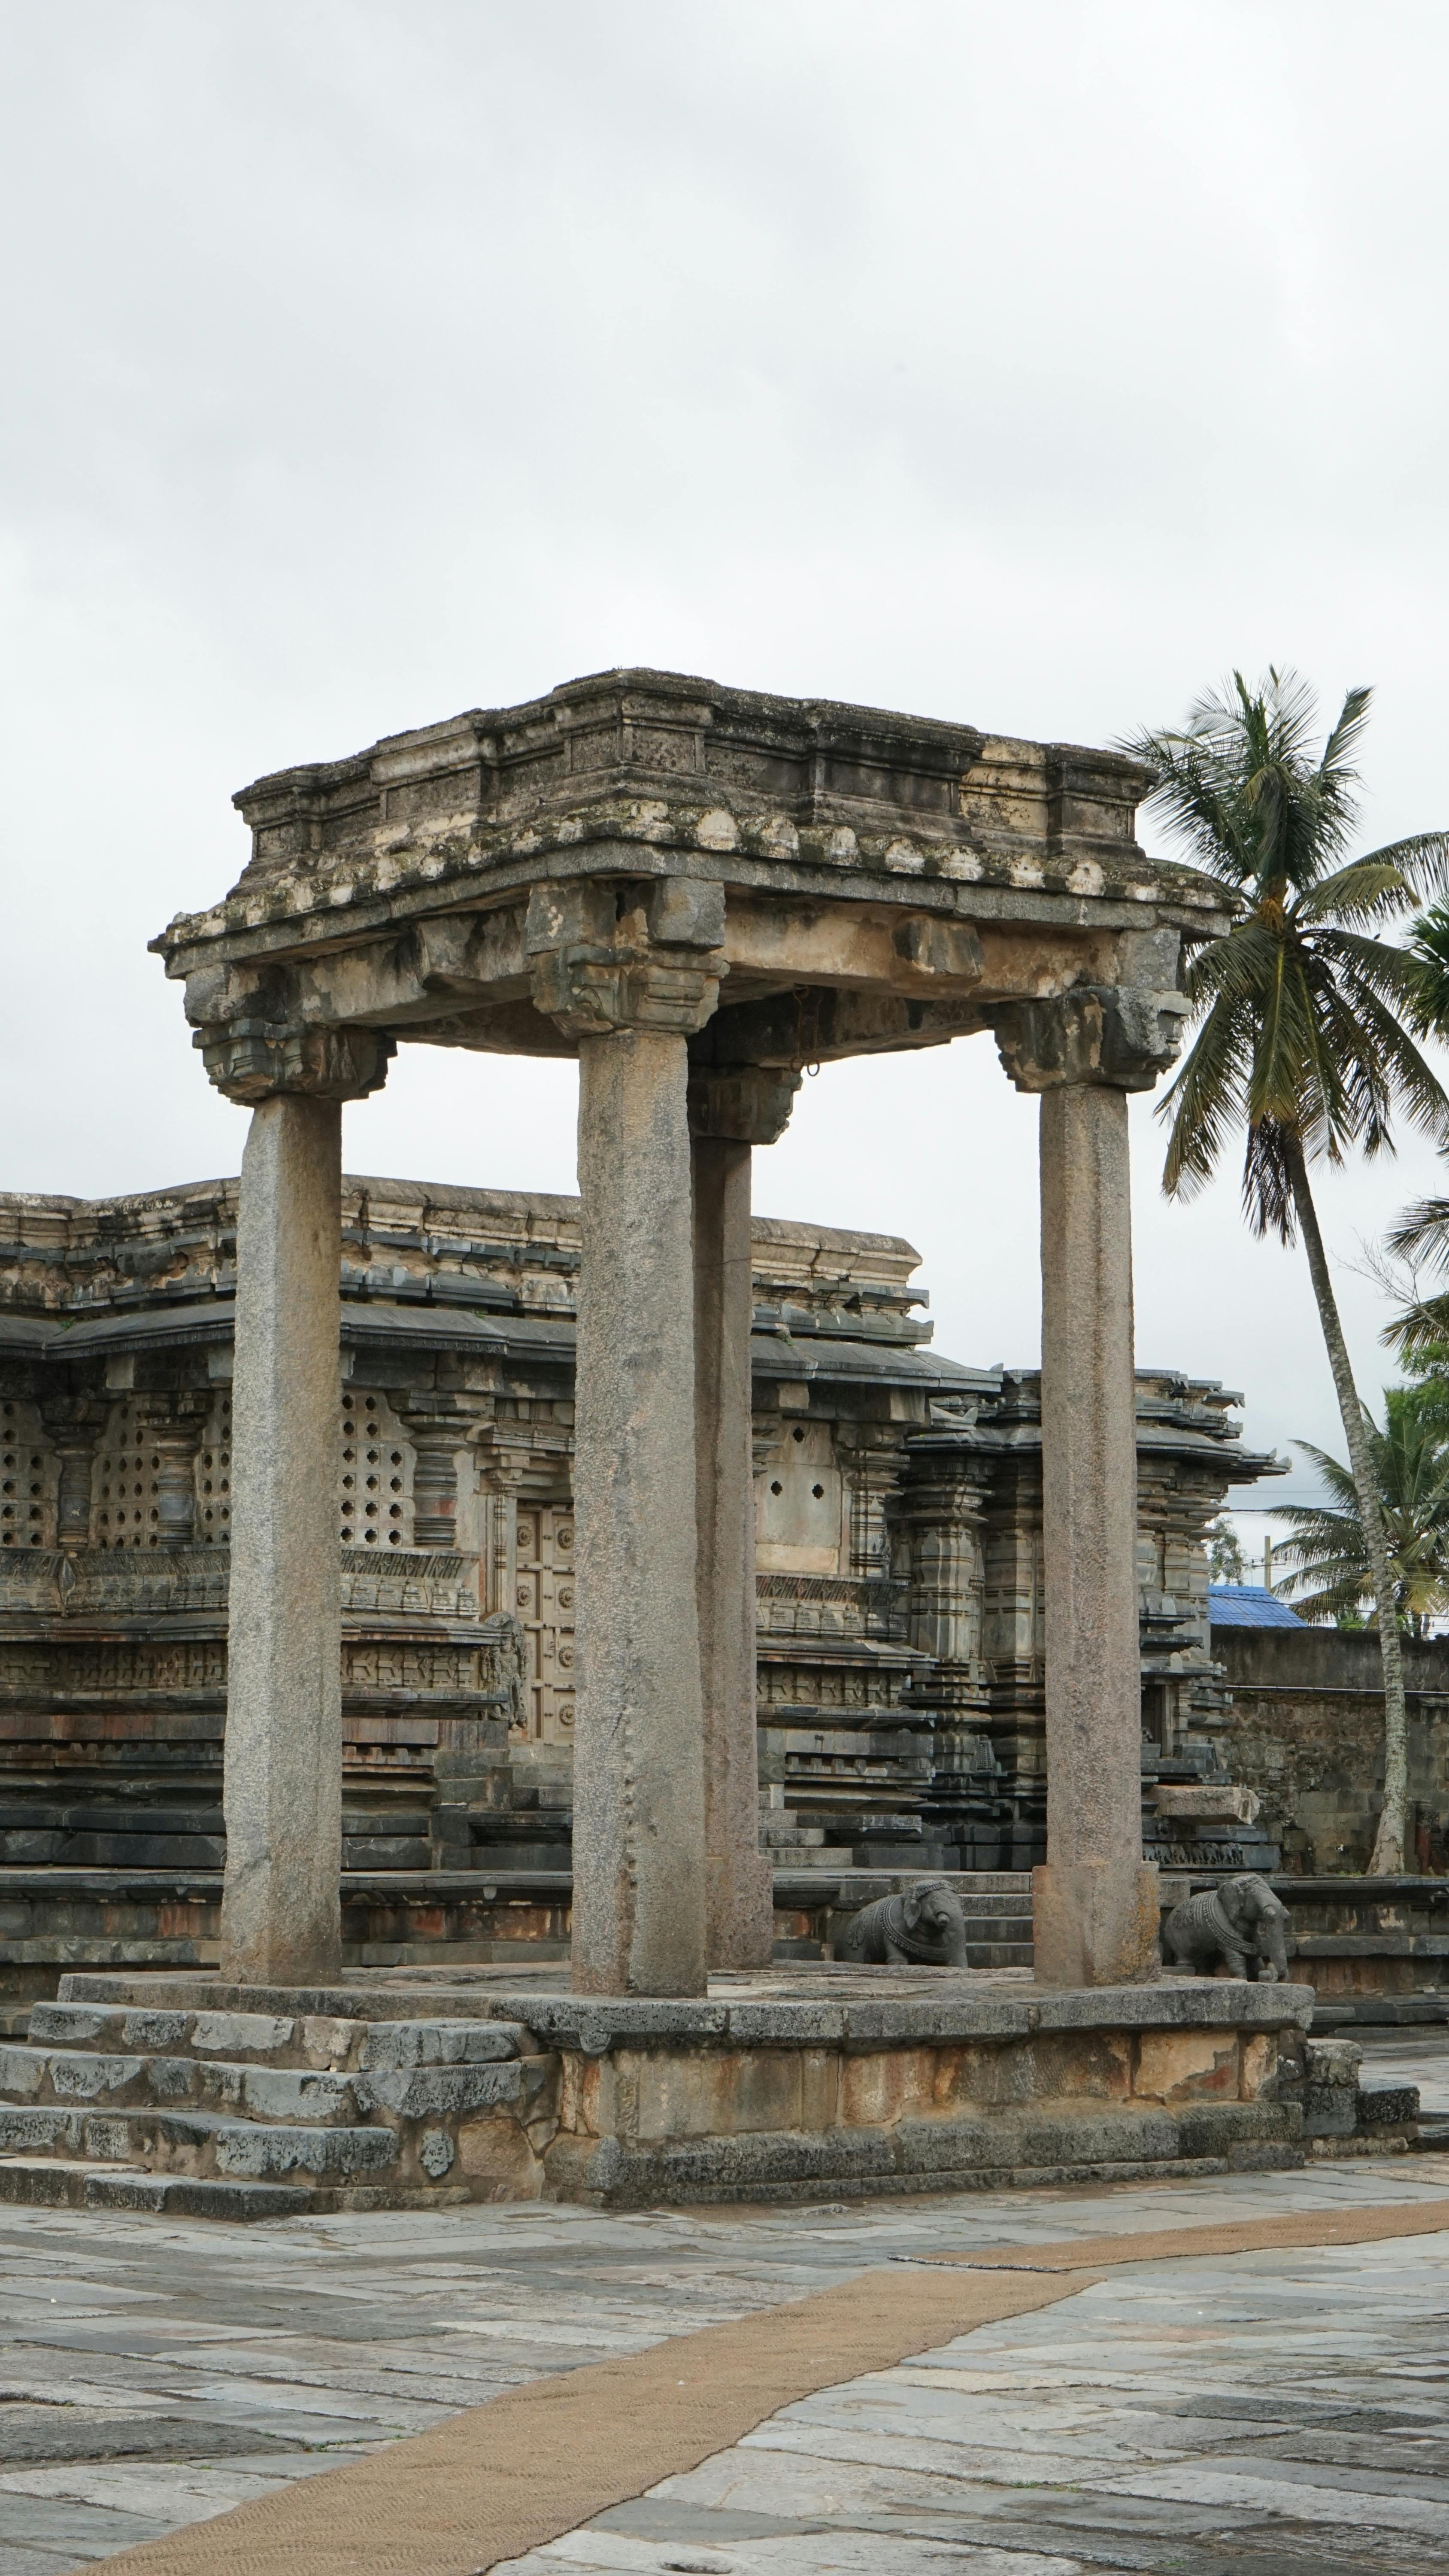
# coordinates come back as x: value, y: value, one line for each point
x: 316, y: 2041
x: 57, y: 2182
x: 39, y: 2078
x: 197, y: 2144
x: 90, y: 2077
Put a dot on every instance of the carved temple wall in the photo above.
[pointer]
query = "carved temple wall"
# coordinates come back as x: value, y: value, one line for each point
x: 898, y: 1536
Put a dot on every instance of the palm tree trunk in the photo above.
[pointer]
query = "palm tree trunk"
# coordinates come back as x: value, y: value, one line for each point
x: 1388, y: 1850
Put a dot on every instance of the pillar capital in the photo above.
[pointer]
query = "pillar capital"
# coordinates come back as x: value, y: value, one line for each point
x: 606, y: 956
x: 252, y: 1059
x: 742, y: 1104
x: 1122, y: 1036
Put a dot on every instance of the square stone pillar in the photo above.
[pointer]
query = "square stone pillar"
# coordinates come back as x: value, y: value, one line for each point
x: 639, y: 1874
x: 281, y: 1921
x: 631, y: 971
x: 281, y: 1911
x: 729, y: 1113
x: 1096, y: 1903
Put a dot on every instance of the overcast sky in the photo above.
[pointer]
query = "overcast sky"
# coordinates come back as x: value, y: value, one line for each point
x: 1029, y: 365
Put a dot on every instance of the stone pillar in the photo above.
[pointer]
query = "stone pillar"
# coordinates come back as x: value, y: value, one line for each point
x: 632, y: 972
x: 281, y: 1917
x: 283, y: 1779
x: 1095, y: 1902
x: 730, y: 1112
x: 639, y: 1914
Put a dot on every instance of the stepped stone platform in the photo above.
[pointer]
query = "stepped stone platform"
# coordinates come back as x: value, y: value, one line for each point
x: 407, y: 2088
x: 56, y: 1919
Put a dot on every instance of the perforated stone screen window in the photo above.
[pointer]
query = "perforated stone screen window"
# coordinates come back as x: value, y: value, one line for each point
x: 213, y: 1478
x: 375, y: 1474
x: 125, y: 1491
x: 27, y: 1479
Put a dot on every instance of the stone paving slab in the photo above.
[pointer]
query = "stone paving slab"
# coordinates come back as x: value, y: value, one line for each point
x: 314, y: 2342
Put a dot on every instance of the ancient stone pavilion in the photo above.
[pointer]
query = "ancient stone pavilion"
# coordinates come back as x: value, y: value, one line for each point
x: 698, y: 891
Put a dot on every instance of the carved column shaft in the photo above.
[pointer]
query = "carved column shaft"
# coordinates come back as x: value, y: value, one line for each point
x: 75, y: 1448
x: 173, y: 1451
x: 436, y: 1440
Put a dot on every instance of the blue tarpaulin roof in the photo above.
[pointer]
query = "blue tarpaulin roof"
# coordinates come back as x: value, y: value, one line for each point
x: 1249, y: 1605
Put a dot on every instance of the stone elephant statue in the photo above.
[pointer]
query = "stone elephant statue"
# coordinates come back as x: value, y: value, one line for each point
x: 1241, y: 1923
x: 921, y: 1927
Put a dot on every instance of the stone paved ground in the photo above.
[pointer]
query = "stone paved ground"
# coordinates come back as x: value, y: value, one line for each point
x: 1264, y: 2415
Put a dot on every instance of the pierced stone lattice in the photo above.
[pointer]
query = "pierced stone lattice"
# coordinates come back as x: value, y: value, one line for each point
x: 375, y: 1474
x: 213, y: 1478
x: 27, y: 1479
x: 125, y: 1491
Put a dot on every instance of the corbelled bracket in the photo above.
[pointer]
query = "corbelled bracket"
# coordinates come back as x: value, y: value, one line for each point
x: 606, y: 956
x: 1121, y: 1035
x: 747, y: 1104
x: 256, y: 1059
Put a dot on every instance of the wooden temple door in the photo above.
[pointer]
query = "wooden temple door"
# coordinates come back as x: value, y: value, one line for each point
x: 546, y: 1615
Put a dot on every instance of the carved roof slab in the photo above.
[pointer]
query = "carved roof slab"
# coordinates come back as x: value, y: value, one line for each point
x: 783, y: 880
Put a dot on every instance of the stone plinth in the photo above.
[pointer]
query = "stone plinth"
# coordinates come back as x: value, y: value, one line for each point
x: 776, y: 2086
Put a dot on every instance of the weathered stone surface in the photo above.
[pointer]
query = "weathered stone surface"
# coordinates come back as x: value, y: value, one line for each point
x: 283, y: 1787
x: 437, y: 2043
x: 639, y: 1861
x: 1096, y: 1907
x: 739, y: 1878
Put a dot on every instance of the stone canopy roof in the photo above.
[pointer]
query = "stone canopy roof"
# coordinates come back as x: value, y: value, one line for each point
x: 814, y: 879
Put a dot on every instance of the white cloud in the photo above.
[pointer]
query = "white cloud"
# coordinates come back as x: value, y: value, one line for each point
x: 372, y: 358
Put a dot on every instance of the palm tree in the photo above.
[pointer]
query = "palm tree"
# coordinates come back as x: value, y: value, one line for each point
x: 1302, y: 1011
x: 1333, y: 1575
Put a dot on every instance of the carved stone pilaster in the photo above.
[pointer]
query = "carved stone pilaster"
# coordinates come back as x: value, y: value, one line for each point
x: 1121, y: 1035
x: 944, y: 1507
x: 74, y: 1425
x: 438, y: 1425
x: 605, y: 957
x: 872, y: 1460
x: 435, y: 1440
x: 167, y: 1436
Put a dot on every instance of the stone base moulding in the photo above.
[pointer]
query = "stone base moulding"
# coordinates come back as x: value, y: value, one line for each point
x: 401, y: 2089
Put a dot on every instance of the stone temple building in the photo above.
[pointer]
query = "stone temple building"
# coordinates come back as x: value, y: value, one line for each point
x: 898, y: 1553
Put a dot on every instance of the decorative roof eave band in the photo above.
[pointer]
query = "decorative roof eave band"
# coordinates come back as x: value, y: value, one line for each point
x: 1027, y: 886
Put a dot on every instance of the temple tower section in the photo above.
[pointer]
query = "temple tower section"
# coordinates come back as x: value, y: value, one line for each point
x: 699, y: 892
